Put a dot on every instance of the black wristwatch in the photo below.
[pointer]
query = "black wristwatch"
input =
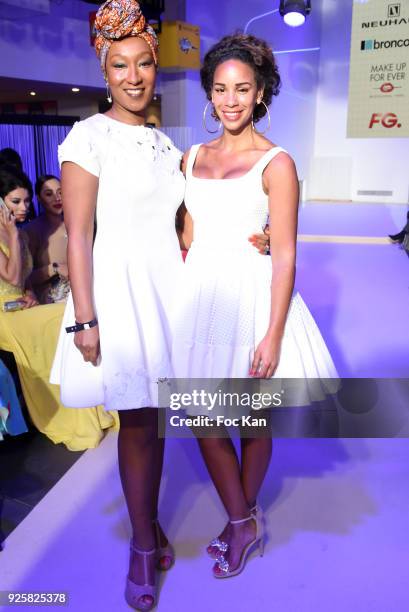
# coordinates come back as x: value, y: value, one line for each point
x: 81, y: 326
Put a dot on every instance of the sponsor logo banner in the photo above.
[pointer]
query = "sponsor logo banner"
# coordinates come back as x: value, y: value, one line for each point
x: 374, y: 45
x: 379, y: 70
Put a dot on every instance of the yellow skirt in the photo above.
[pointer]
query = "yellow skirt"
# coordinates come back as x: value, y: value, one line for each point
x: 31, y: 335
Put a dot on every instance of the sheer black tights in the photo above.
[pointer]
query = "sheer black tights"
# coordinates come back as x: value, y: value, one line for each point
x: 140, y: 456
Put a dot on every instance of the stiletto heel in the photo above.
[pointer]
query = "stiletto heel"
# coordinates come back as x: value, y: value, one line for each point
x: 134, y: 592
x: 258, y: 542
x: 257, y: 511
x: 163, y: 552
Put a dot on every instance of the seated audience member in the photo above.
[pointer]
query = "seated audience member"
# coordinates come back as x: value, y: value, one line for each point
x: 15, y: 258
x: 48, y: 243
x: 9, y: 158
x: 31, y: 333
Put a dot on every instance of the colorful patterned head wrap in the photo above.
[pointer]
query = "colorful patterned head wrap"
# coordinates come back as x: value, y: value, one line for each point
x: 118, y: 19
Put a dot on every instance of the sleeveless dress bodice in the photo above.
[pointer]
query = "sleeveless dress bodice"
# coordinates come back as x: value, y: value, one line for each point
x: 227, y: 211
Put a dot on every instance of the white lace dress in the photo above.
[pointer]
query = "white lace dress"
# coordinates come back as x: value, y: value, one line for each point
x: 224, y: 308
x: 137, y: 263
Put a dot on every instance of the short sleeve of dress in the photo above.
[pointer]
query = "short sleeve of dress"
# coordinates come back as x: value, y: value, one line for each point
x: 79, y: 148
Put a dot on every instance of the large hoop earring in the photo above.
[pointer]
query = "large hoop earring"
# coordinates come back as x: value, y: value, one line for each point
x: 204, y: 121
x: 269, y: 119
x: 109, y: 96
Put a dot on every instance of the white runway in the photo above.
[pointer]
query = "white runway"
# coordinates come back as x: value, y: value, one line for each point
x: 337, y: 533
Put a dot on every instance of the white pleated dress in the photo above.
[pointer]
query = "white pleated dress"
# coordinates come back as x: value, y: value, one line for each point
x: 224, y: 307
x: 137, y: 264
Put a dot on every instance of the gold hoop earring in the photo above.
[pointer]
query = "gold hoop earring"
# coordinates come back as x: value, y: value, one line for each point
x: 109, y: 96
x: 269, y: 119
x: 204, y: 121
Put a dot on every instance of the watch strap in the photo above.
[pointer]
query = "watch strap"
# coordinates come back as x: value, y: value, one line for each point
x: 81, y: 326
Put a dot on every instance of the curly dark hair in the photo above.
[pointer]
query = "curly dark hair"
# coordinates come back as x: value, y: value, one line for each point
x: 252, y: 51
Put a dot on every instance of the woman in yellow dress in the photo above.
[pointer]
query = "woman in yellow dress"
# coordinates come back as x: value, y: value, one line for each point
x: 30, y: 331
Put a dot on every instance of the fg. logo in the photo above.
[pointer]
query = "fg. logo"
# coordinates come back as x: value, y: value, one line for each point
x: 389, y: 120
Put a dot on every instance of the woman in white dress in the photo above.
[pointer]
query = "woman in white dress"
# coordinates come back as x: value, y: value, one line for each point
x: 238, y: 316
x: 127, y: 176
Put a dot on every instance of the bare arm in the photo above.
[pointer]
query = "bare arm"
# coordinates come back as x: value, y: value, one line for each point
x: 11, y: 266
x: 80, y: 189
x: 280, y: 179
x: 184, y: 228
x: 29, y: 298
x: 184, y: 222
x: 41, y: 274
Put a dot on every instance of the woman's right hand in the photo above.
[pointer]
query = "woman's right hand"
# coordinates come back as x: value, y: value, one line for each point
x: 261, y: 242
x: 8, y: 222
x: 87, y: 342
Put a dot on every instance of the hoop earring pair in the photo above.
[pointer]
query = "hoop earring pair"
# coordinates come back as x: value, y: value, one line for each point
x: 269, y: 119
x: 204, y: 121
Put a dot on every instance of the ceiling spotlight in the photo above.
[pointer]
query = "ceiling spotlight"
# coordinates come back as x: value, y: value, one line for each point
x: 75, y: 89
x: 294, y: 12
x: 33, y: 93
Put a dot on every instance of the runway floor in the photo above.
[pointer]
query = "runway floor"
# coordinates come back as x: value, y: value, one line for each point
x: 336, y: 509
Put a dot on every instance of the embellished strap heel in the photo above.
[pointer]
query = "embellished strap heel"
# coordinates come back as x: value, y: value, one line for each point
x: 165, y: 555
x: 218, y: 547
x: 257, y: 543
x: 135, y: 592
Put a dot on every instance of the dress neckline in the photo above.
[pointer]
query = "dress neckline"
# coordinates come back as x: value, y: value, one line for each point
x: 127, y: 125
x: 236, y: 178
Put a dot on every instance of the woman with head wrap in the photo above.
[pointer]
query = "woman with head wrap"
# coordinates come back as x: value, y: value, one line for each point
x: 126, y: 176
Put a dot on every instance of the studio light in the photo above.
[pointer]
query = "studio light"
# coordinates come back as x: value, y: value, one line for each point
x: 294, y: 12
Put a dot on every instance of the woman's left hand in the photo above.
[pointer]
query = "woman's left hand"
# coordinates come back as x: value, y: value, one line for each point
x: 261, y: 242
x: 265, y: 359
x: 29, y: 299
